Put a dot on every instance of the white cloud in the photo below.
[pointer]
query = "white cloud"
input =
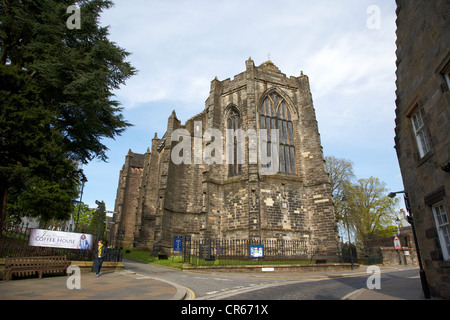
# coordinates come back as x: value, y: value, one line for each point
x: 179, y: 46
x: 353, y: 63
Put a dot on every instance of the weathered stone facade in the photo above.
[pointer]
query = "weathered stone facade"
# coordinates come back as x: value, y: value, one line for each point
x: 239, y: 201
x: 126, y: 199
x: 423, y: 129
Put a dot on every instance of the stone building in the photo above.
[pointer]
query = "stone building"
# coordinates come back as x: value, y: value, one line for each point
x: 126, y: 199
x: 218, y: 192
x: 422, y: 139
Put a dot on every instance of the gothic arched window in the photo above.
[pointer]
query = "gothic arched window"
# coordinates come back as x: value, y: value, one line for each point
x: 276, y: 115
x: 234, y: 123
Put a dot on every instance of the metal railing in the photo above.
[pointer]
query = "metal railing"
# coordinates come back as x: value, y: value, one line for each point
x: 244, y: 252
x: 14, y: 241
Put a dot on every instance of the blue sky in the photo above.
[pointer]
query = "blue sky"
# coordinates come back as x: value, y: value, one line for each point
x: 345, y: 47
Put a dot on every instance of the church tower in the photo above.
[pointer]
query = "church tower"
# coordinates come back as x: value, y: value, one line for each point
x: 245, y: 195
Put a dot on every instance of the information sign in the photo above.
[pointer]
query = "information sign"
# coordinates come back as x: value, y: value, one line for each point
x: 205, y: 251
x: 178, y: 243
x: 256, y: 251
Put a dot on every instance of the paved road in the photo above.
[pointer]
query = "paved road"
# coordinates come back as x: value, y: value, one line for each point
x: 269, y: 286
x: 203, y: 285
x: 323, y: 289
x: 141, y: 281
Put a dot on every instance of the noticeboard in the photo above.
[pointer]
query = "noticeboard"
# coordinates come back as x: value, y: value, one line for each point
x: 178, y: 243
x: 256, y: 251
x: 205, y: 251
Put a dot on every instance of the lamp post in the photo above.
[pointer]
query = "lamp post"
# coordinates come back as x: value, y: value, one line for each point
x: 344, y: 200
x: 409, y: 217
x: 112, y: 229
x: 83, y: 180
x: 101, y: 211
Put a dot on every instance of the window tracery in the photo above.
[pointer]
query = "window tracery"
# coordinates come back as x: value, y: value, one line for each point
x: 234, y: 123
x: 275, y: 114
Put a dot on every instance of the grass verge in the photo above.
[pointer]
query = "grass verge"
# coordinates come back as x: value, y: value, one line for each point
x: 144, y: 256
x: 177, y: 261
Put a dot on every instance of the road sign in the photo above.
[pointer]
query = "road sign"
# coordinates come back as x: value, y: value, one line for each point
x: 178, y: 243
x: 397, y: 243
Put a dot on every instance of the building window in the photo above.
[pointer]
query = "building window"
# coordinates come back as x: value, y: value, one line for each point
x: 420, y: 132
x: 446, y: 81
x: 443, y: 228
x: 276, y: 115
x: 234, y: 123
x: 446, y: 77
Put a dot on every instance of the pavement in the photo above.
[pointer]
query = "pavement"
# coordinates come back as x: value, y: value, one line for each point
x: 397, y: 289
x: 110, y: 285
x: 128, y: 285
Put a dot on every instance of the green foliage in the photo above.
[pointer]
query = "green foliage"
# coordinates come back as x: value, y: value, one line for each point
x: 341, y: 174
x: 56, y: 102
x: 362, y: 207
x: 70, y: 72
x: 386, y: 232
x: 85, y: 217
x: 370, y: 211
x: 144, y: 256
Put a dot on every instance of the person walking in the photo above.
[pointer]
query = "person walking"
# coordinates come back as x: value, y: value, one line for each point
x: 100, y: 255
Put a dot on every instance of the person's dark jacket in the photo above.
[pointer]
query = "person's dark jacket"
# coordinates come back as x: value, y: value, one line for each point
x: 103, y: 252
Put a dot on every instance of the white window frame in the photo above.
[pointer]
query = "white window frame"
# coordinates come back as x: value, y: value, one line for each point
x: 443, y: 228
x: 420, y: 132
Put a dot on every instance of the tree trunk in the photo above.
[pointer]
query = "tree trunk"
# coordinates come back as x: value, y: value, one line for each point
x: 3, y: 197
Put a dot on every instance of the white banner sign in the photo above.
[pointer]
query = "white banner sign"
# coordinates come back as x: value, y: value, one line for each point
x: 60, y: 239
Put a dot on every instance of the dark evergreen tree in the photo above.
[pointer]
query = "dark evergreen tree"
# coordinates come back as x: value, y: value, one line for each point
x: 56, y: 101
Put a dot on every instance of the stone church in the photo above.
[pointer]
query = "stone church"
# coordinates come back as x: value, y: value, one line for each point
x: 160, y: 197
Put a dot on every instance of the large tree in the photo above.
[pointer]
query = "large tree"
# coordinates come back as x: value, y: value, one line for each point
x: 56, y: 101
x: 341, y: 173
x: 362, y: 206
x: 368, y: 208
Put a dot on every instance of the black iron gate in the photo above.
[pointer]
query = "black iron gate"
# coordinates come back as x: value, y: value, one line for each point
x: 374, y: 256
x: 187, y: 248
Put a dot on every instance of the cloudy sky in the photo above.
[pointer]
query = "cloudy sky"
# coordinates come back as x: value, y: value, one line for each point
x: 347, y: 48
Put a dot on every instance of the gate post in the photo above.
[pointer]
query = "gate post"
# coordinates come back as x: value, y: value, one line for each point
x: 187, y: 248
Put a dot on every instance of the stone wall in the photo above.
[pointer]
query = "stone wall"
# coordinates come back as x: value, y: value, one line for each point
x: 126, y: 200
x: 423, y: 58
x: 406, y: 256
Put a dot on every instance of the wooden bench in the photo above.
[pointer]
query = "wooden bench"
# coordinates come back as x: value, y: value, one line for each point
x: 24, y: 266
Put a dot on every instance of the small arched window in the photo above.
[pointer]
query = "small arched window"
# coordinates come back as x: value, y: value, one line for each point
x: 276, y: 115
x: 234, y: 123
